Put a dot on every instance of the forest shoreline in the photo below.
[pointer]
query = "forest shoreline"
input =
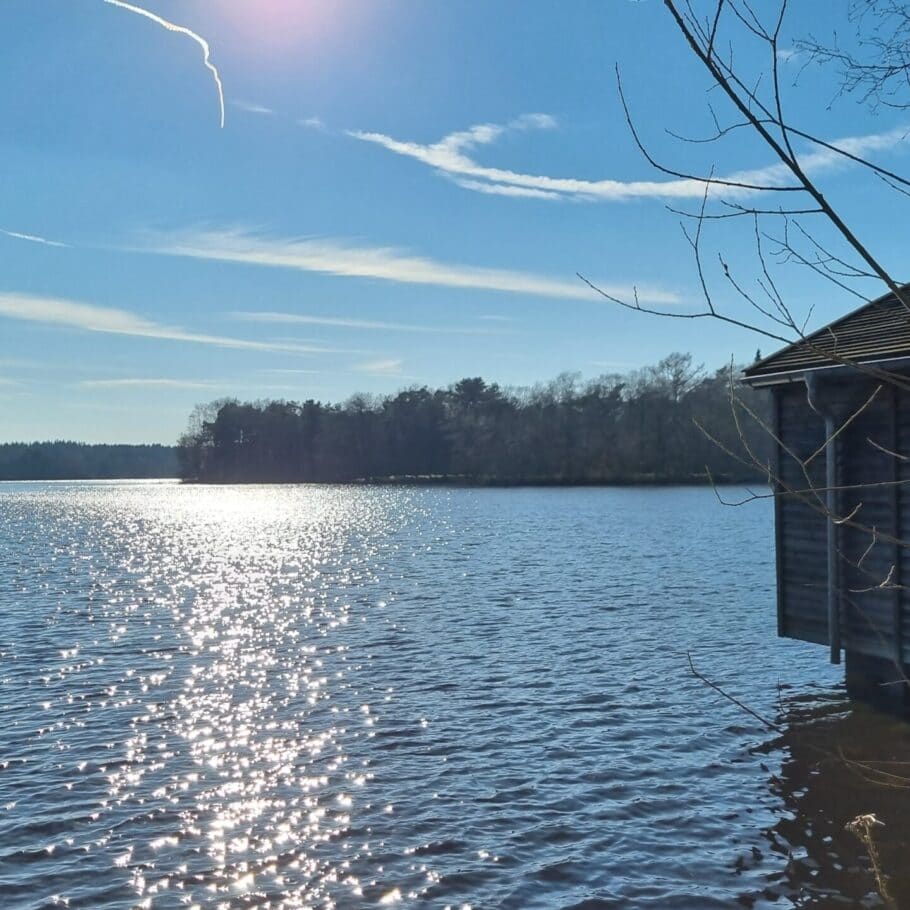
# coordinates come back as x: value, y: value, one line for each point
x: 493, y: 483
x: 450, y: 482
x: 671, y: 423
x: 66, y: 460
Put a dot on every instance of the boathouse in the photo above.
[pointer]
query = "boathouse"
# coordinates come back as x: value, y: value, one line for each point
x: 841, y: 463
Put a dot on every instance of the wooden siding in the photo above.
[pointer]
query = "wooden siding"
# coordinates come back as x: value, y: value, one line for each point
x: 801, y: 531
x: 874, y: 618
x: 902, y: 471
x: 868, y: 611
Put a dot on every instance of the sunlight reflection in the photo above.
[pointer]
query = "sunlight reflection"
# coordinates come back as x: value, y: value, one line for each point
x: 240, y: 736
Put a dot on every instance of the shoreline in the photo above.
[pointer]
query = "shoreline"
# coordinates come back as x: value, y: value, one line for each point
x: 452, y: 482
x: 488, y: 483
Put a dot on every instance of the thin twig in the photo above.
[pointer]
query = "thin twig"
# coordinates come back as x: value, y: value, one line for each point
x: 700, y: 676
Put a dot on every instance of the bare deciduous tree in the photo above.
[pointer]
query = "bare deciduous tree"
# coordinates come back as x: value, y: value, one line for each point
x: 877, y: 67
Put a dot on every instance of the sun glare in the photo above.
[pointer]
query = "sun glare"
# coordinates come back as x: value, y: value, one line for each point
x: 280, y: 24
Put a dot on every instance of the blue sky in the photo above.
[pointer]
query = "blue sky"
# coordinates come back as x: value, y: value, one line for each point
x: 402, y: 194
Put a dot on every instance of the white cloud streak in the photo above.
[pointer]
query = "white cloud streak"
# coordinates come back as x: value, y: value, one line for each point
x: 224, y: 387
x: 156, y: 383
x: 449, y: 157
x: 506, y: 189
x: 342, y: 258
x: 182, y: 30
x: 380, y: 367
x: 32, y: 238
x: 364, y: 324
x: 252, y: 108
x: 295, y: 372
x: 90, y: 318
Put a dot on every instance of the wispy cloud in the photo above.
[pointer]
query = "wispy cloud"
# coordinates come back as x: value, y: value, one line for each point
x: 295, y: 372
x: 364, y: 324
x: 450, y: 157
x: 252, y: 108
x: 31, y: 238
x: 340, y: 257
x: 389, y: 367
x: 155, y: 383
x: 787, y: 54
x: 90, y: 318
x: 313, y: 123
x: 506, y: 189
x: 223, y: 386
x: 182, y: 30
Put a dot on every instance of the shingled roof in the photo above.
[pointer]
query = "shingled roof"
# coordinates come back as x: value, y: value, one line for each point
x: 876, y: 332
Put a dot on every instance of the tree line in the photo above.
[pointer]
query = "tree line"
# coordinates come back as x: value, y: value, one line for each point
x: 79, y: 461
x: 637, y: 427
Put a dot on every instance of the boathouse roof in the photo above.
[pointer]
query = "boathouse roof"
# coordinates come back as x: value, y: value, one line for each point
x: 876, y: 332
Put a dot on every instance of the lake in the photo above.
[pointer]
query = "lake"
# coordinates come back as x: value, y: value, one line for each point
x: 295, y: 697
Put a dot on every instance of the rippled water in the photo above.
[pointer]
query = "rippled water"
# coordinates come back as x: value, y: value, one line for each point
x: 292, y: 697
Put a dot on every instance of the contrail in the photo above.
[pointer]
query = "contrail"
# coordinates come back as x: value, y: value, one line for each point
x: 32, y: 238
x: 172, y: 27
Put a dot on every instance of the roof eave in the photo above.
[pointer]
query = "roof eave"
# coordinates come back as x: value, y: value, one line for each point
x: 808, y: 339
x: 799, y: 375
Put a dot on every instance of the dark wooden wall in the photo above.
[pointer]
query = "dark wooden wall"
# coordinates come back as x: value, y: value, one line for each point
x: 902, y: 474
x: 802, y: 576
x: 874, y: 619
x: 870, y: 614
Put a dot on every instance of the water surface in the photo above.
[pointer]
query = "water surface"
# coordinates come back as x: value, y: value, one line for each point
x: 294, y: 697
